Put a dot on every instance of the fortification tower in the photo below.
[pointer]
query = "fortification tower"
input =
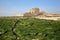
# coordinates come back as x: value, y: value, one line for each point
x: 34, y: 11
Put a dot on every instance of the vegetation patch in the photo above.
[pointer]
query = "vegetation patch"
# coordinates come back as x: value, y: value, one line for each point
x: 29, y: 29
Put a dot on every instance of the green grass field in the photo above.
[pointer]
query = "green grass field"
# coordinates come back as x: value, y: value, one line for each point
x: 29, y: 29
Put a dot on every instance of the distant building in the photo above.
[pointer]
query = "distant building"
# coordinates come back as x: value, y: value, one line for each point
x: 36, y: 12
x: 33, y: 12
x: 27, y: 14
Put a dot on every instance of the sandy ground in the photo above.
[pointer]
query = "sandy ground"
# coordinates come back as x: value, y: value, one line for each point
x: 48, y: 18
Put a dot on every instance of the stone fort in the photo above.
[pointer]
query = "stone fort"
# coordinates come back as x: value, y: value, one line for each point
x: 36, y: 12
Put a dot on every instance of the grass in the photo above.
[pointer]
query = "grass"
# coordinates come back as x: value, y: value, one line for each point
x: 28, y: 29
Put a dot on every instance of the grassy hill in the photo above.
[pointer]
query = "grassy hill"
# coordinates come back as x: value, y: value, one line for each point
x: 29, y: 29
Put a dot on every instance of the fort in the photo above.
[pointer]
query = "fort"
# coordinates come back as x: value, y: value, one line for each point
x: 37, y: 13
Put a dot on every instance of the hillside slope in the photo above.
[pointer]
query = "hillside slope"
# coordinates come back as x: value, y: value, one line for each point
x: 29, y: 29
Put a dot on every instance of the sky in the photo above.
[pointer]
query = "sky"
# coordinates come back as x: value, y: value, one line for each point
x: 13, y: 7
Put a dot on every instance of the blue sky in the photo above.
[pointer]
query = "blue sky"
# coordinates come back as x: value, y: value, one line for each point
x: 13, y: 7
